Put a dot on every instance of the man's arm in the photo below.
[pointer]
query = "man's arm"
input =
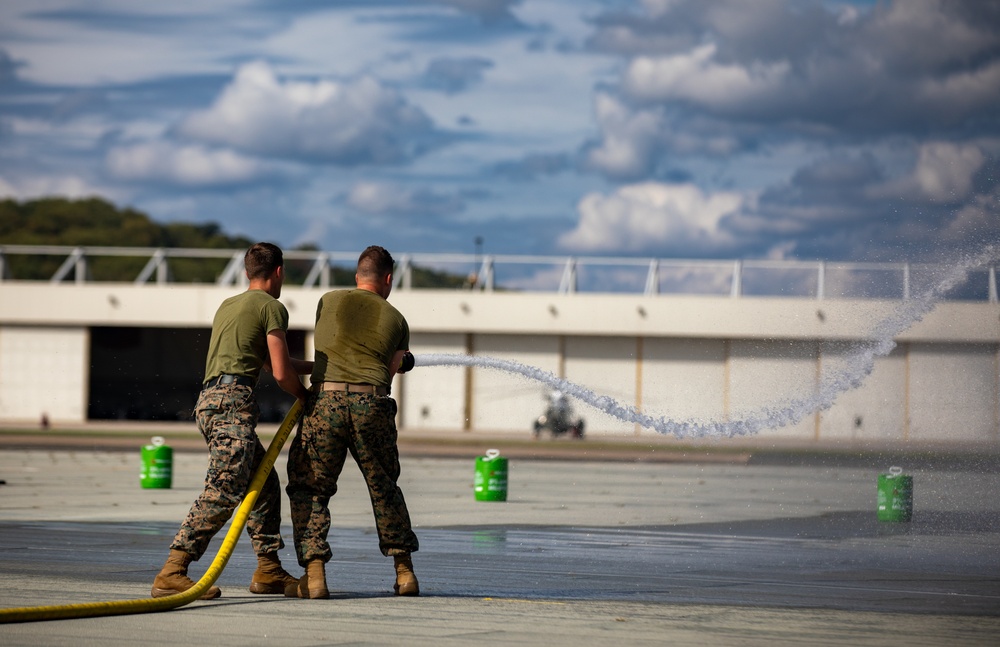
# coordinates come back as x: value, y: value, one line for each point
x: 394, y: 363
x: 301, y: 366
x: 402, y: 361
x: 283, y: 367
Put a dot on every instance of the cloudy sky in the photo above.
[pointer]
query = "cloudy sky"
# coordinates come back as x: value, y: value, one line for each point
x: 836, y: 130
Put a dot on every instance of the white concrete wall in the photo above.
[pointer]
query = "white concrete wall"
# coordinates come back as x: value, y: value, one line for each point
x: 605, y: 365
x: 43, y: 371
x: 505, y: 402
x: 767, y: 375
x: 684, y: 379
x: 681, y: 357
x: 875, y: 412
x: 506, y: 313
x: 433, y: 398
x: 951, y: 390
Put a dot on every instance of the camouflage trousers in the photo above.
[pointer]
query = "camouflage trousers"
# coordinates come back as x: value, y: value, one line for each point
x: 334, y: 424
x: 227, y: 418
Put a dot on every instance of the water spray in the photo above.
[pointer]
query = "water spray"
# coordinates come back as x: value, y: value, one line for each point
x: 859, y: 364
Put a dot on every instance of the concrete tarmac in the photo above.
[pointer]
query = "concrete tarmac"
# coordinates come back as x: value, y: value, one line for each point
x: 583, y: 552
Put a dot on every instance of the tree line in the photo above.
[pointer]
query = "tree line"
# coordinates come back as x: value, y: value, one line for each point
x: 95, y: 222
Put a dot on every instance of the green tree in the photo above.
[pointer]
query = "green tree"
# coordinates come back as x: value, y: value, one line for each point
x: 95, y: 222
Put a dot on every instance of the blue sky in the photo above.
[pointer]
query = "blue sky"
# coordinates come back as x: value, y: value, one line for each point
x: 655, y: 128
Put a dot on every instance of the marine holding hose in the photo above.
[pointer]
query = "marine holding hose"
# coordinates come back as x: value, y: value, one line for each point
x: 361, y: 342
x: 248, y: 335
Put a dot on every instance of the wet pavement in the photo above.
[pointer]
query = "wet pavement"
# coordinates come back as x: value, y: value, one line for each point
x: 583, y: 552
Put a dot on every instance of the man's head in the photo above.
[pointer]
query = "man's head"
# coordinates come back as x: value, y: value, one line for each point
x: 375, y: 270
x: 265, y: 263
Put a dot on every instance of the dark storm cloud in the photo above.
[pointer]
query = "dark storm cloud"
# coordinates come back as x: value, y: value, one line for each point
x: 946, y: 204
x: 454, y: 74
x: 920, y: 65
x: 8, y: 68
x: 533, y: 166
x: 490, y: 11
x: 114, y: 19
x: 820, y: 199
x: 892, y: 112
x: 847, y: 206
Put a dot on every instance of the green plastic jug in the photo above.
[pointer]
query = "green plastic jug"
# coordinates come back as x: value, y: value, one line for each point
x: 895, y: 496
x: 157, y: 464
x: 491, y: 477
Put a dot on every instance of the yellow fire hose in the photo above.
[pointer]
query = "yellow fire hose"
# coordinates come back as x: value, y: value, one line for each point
x: 150, y: 605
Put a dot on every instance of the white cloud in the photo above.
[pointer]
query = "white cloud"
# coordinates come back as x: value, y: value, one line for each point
x: 385, y: 198
x: 74, y: 134
x: 354, y: 122
x: 943, y: 173
x: 696, y: 76
x: 544, y: 279
x: 856, y: 123
x: 975, y: 221
x: 7, y: 190
x: 657, y: 7
x: 486, y: 9
x: 375, y: 197
x: 634, y: 140
x: 69, y: 186
x: 651, y: 216
x: 75, y: 43
x: 186, y: 165
x: 628, y: 138
x: 944, y: 170
x: 894, y: 103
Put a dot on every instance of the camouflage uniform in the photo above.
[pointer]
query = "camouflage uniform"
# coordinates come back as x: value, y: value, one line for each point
x: 334, y: 424
x: 227, y: 418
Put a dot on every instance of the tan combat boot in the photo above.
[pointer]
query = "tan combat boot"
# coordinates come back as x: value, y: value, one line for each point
x: 270, y: 578
x: 406, y: 581
x: 174, y: 578
x: 312, y: 585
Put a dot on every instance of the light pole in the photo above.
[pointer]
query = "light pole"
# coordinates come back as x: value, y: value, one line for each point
x: 478, y: 241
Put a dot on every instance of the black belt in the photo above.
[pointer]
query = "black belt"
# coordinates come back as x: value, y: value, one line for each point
x: 229, y: 379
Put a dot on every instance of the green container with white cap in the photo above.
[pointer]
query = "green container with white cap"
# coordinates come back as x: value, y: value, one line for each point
x: 895, y: 496
x: 491, y: 477
x: 157, y: 464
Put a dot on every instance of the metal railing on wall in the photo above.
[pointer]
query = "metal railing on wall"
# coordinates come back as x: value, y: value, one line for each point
x: 560, y: 274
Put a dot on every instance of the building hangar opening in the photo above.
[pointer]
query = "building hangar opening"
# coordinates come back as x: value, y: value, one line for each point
x: 145, y: 373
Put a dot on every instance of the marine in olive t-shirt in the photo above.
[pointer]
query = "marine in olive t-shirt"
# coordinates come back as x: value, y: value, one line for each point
x: 357, y: 333
x: 239, y: 334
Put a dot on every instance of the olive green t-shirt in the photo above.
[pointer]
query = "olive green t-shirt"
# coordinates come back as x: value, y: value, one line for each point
x: 239, y: 334
x: 357, y: 333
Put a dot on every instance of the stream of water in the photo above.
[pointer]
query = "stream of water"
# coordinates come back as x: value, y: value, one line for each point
x: 858, y: 364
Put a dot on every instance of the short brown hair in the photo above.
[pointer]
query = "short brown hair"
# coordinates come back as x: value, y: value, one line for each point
x: 375, y: 263
x: 261, y: 260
